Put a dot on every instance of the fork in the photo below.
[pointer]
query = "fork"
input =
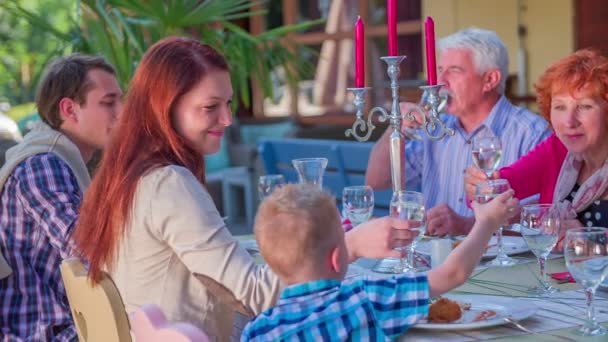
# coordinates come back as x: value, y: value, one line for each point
x: 524, y: 329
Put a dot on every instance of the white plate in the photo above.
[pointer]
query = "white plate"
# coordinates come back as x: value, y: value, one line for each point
x: 504, y: 306
x: 512, y: 245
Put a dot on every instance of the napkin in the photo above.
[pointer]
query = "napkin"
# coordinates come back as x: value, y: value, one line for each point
x: 563, y: 277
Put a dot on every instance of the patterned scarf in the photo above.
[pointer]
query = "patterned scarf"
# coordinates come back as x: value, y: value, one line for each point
x: 591, y: 190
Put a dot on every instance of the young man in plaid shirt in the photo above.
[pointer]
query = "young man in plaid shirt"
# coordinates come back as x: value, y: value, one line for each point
x: 300, y: 236
x: 42, y: 183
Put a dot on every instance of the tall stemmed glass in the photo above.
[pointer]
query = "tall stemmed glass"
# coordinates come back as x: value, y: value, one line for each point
x: 409, y: 205
x: 268, y: 183
x: 484, y: 193
x: 541, y: 228
x: 358, y: 203
x: 486, y: 154
x: 587, y: 260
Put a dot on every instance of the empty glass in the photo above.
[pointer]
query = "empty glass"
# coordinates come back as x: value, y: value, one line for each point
x: 587, y: 260
x: 484, y: 193
x: 358, y: 203
x: 310, y: 170
x: 541, y: 228
x: 487, y: 152
x: 268, y: 183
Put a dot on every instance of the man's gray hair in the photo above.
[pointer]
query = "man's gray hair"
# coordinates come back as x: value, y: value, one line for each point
x: 487, y: 50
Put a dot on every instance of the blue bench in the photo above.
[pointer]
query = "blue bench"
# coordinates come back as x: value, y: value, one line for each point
x: 347, y: 164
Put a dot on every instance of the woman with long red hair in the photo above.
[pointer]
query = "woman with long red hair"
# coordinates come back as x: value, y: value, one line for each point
x: 147, y: 218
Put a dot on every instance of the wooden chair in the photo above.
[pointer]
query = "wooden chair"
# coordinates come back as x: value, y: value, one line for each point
x: 149, y: 324
x: 98, y: 311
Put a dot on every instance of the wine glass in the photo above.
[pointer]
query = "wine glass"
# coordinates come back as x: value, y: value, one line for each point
x: 484, y: 193
x: 587, y: 260
x: 358, y: 203
x: 268, y: 183
x: 409, y: 205
x: 541, y: 228
x: 486, y: 154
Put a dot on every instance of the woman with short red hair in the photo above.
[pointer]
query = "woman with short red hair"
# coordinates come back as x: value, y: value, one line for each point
x: 147, y: 218
x: 571, y: 166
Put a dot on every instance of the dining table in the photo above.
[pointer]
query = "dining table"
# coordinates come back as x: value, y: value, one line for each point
x: 553, y: 317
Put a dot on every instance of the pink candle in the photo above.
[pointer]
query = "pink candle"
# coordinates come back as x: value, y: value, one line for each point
x: 391, y: 23
x: 359, y: 54
x: 429, y: 37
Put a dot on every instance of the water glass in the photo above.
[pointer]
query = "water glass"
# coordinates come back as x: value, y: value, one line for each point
x: 487, y: 152
x: 268, y: 183
x: 358, y: 203
x: 310, y: 170
x: 409, y: 205
x: 586, y: 253
x: 541, y: 228
x: 484, y: 193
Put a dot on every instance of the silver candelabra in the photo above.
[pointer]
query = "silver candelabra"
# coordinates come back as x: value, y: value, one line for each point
x: 430, y: 106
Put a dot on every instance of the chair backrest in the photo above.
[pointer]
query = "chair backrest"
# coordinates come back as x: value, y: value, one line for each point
x: 98, y: 311
x: 347, y: 164
x: 149, y: 324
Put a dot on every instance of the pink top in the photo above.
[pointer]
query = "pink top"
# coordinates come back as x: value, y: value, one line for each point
x: 537, y: 171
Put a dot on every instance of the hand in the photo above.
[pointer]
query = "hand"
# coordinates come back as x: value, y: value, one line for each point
x: 442, y: 220
x: 377, y: 238
x: 566, y: 225
x: 404, y: 107
x: 496, y: 212
x: 473, y: 176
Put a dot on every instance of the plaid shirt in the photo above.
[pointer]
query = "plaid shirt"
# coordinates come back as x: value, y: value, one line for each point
x: 354, y: 310
x: 38, y: 209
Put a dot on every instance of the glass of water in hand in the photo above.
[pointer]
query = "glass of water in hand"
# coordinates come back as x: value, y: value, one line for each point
x: 358, y: 203
x: 541, y: 228
x: 586, y: 252
x: 486, y: 154
x: 484, y: 193
x: 409, y: 205
x: 268, y: 183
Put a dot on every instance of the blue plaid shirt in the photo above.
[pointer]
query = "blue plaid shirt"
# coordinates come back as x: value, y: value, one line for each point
x: 437, y: 167
x: 354, y: 310
x: 38, y: 209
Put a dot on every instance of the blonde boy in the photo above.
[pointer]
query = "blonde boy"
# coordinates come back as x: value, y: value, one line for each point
x: 300, y: 236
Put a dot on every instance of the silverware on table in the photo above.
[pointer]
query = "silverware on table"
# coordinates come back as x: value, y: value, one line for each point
x: 524, y: 329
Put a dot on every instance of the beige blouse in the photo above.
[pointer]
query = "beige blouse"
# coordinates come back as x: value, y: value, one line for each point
x: 175, y: 231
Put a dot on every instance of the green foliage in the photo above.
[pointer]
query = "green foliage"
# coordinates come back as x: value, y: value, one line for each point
x: 26, y: 48
x: 122, y: 30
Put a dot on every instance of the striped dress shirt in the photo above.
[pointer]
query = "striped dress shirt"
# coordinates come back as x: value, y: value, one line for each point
x: 437, y: 167
x: 38, y: 209
x: 361, y: 309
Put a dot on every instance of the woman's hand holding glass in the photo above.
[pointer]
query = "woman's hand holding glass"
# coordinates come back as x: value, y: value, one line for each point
x: 473, y: 176
x: 586, y: 253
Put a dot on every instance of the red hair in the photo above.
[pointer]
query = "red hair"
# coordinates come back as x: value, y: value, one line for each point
x: 143, y: 140
x: 585, y: 70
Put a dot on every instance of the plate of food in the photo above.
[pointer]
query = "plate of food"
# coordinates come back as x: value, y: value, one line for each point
x: 512, y: 245
x: 466, y: 312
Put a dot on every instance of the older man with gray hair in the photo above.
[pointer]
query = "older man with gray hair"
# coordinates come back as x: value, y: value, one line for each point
x: 473, y: 67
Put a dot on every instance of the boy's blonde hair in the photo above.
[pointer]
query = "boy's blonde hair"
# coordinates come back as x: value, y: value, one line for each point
x: 297, y: 224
